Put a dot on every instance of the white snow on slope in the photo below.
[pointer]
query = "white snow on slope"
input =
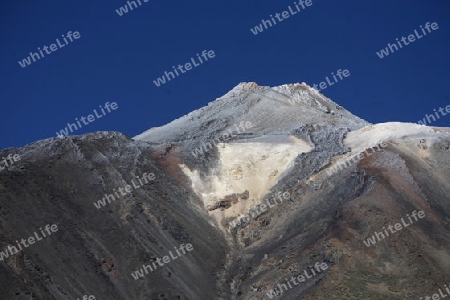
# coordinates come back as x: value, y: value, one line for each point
x: 270, y: 109
x: 252, y: 166
x: 370, y: 136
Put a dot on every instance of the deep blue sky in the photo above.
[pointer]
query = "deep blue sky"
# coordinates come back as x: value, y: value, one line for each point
x: 117, y: 58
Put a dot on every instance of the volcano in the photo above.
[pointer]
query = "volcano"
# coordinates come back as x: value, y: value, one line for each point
x: 281, y: 200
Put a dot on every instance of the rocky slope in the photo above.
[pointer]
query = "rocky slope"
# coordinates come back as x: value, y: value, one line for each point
x: 263, y: 183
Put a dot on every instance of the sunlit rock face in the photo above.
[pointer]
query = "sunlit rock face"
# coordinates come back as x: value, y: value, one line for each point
x: 212, y: 178
x: 284, y: 120
x: 248, y: 167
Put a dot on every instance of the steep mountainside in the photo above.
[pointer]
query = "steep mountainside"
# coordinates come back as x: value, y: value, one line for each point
x: 268, y: 192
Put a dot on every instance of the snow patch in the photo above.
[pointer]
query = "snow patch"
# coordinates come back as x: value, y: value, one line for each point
x: 249, y: 166
x: 370, y: 136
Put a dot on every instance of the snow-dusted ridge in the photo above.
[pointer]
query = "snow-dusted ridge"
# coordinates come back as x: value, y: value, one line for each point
x: 371, y: 135
x: 271, y: 109
x: 288, y: 122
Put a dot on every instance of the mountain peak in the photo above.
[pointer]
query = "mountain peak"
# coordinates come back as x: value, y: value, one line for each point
x: 279, y: 109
